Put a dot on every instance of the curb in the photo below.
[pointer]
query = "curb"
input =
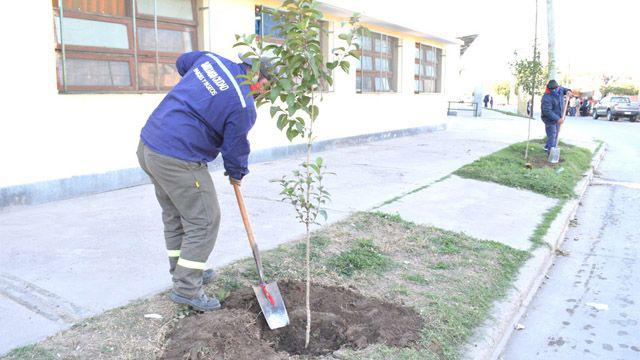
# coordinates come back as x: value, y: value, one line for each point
x: 489, y: 340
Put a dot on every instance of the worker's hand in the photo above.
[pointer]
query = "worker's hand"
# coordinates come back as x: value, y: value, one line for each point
x: 561, y: 121
x: 233, y: 181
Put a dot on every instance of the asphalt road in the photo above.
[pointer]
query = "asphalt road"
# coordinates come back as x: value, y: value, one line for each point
x: 589, y: 307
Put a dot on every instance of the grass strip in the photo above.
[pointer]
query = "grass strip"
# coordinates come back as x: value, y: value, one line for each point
x: 450, y: 278
x: 508, y: 167
x: 537, y: 238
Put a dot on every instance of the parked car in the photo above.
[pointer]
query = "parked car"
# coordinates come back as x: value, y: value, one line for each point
x: 615, y: 107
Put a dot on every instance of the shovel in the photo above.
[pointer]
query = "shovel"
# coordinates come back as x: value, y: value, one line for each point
x: 554, y: 152
x: 268, y: 295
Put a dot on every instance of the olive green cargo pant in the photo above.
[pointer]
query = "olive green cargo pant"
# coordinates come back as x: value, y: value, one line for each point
x: 190, y: 212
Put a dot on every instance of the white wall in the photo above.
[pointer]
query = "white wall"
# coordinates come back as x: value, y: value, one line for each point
x: 45, y: 135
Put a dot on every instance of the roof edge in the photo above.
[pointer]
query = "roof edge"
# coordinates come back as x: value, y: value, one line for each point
x: 346, y: 13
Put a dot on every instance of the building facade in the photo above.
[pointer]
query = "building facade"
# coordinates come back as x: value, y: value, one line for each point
x: 84, y: 76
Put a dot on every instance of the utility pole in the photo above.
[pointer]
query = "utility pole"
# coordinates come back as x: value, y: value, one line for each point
x: 533, y: 92
x: 551, y: 35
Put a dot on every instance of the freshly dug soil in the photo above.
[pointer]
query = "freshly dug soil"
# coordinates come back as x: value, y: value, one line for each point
x: 223, y: 334
x: 339, y: 318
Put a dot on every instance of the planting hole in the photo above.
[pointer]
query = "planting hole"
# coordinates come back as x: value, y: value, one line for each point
x: 339, y: 318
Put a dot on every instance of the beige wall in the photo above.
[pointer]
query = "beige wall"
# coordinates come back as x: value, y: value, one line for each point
x: 45, y: 135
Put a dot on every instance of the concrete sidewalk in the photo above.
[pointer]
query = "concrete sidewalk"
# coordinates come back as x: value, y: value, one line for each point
x: 68, y: 260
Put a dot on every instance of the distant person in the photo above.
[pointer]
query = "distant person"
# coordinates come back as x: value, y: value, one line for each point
x: 528, y: 107
x: 491, y: 101
x: 486, y: 101
x: 574, y: 104
x: 552, y: 108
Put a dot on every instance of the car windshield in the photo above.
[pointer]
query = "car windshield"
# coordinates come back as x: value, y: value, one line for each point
x: 620, y: 100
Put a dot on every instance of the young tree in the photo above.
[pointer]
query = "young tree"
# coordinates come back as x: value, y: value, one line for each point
x: 530, y: 77
x: 530, y: 74
x: 504, y: 89
x: 299, y: 73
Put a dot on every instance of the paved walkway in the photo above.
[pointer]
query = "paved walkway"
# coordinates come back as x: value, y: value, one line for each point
x: 67, y: 260
x: 481, y: 209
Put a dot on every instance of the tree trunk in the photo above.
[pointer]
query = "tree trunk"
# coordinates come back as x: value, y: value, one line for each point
x: 551, y: 35
x: 533, y: 92
x: 308, y: 225
x: 308, y: 302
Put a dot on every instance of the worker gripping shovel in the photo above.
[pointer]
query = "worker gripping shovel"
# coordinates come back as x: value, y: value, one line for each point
x: 553, y: 116
x: 554, y: 152
x: 207, y: 113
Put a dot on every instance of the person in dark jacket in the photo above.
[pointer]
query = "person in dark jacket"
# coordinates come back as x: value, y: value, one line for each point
x: 486, y: 100
x: 552, y: 111
x: 209, y: 112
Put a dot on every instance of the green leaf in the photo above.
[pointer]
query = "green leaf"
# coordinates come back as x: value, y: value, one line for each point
x: 282, y: 121
x: 314, y: 111
x: 286, y: 84
x: 273, y: 94
x: 291, y: 133
x: 274, y: 110
x: 345, y: 66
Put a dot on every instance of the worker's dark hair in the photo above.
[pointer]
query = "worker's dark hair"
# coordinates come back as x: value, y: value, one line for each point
x: 552, y: 84
x: 266, y: 65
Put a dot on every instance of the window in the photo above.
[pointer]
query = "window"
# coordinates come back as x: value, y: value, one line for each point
x: 107, y: 48
x: 377, y: 70
x: 265, y: 24
x: 428, y: 69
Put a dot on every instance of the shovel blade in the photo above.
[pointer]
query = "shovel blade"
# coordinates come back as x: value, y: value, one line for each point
x: 554, y: 155
x: 273, y: 308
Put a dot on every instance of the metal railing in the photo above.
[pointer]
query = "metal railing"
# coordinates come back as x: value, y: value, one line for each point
x: 455, y: 106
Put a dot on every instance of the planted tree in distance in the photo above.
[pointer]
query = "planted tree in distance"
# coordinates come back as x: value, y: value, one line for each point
x: 300, y: 71
x: 531, y: 77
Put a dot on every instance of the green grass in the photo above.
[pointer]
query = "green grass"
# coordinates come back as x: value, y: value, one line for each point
x: 507, y: 167
x: 364, y: 255
x: 29, y: 352
x: 537, y: 238
x: 417, y: 279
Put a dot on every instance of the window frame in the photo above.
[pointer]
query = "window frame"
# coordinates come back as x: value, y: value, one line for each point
x: 437, y: 66
x: 392, y: 56
x: 99, y: 57
x: 324, y: 39
x: 133, y: 55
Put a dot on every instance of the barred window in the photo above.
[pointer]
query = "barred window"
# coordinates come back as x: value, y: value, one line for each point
x: 377, y: 69
x: 109, y: 48
x: 428, y: 69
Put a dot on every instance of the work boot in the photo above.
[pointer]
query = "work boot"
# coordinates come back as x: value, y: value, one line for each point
x: 207, y: 276
x: 201, y: 302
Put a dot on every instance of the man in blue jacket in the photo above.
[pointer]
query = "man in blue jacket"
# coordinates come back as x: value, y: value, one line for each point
x: 207, y: 113
x: 553, y: 111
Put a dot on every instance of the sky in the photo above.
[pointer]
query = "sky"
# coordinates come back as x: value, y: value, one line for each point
x: 592, y: 36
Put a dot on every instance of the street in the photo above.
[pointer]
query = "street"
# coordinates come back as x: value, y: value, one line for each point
x: 589, y: 307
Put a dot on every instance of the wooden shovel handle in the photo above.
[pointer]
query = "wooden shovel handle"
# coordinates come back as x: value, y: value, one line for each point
x: 564, y: 112
x: 249, y: 230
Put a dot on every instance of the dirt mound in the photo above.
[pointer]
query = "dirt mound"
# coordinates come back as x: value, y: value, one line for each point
x: 340, y: 318
x: 223, y: 334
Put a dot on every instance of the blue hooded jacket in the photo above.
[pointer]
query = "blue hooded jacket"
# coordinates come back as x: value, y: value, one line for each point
x: 208, y: 112
x: 552, y: 104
